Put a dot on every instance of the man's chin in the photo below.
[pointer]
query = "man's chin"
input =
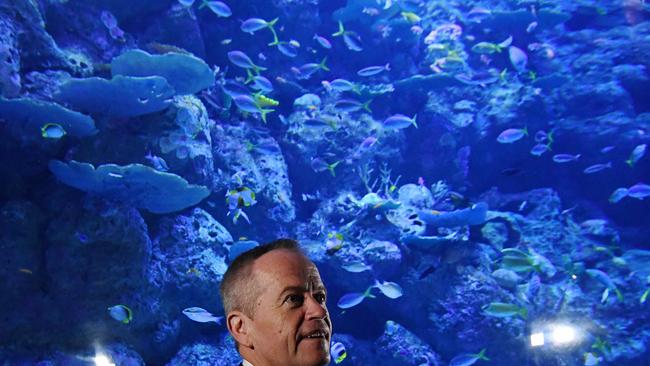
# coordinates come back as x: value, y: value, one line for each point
x: 313, y: 353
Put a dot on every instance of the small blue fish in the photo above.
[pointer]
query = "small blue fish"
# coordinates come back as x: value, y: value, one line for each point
x: 242, y: 60
x: 636, y: 155
x: 607, y: 149
x: 262, y: 83
x: 318, y: 123
x: 157, y: 162
x: 518, y: 58
x: 356, y: 267
x: 246, y: 103
x: 320, y: 165
x: 288, y: 49
x: 468, y: 359
x: 639, y: 191
x: 342, y: 85
x: 323, y: 41
x: 353, y: 299
x: 186, y: 3
x: 542, y: 136
x: 351, y: 105
x: 373, y: 70
x: 399, y: 121
x: 618, y: 195
x: 389, y: 289
x: 338, y: 352
x: 218, y: 7
x: 252, y: 25
x: 52, y: 131
x: 351, y: 39
x: 511, y: 135
x: 307, y: 70
x: 201, y: 315
x: 565, y: 158
x: 121, y: 313
x: 539, y: 149
x: 597, y: 168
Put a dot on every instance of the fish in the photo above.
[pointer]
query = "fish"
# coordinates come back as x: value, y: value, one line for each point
x: 505, y: 310
x: 637, y: 153
x: 218, y: 7
x: 597, y: 168
x: 607, y: 149
x: 52, y: 131
x: 411, y: 17
x: 247, y: 104
x: 618, y: 195
x: 539, y: 149
x: 157, y: 162
x: 343, y: 85
x: 511, y: 135
x: 323, y: 42
x: 338, y: 352
x: 186, y: 3
x: 351, y: 39
x: 373, y: 70
x: 307, y: 70
x: 356, y: 267
x: 604, y: 279
x: 477, y: 14
x: 354, y: 298
x: 201, y: 315
x: 399, y: 121
x: 487, y: 48
x: 320, y: 165
x: 318, y: 123
x: 265, y: 148
x: 239, y: 58
x: 467, y: 359
x: 389, y: 289
x: 252, y: 25
x: 639, y: 191
x: 108, y: 19
x: 121, y: 313
x: 262, y: 83
x: 429, y: 270
x: 565, y: 158
x: 351, y: 105
x: 287, y: 49
x: 518, y: 58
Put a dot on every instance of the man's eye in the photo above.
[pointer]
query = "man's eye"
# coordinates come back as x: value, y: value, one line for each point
x: 295, y: 299
x: 320, y: 298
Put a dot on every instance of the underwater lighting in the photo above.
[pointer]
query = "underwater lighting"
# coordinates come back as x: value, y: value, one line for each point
x: 563, y: 334
x: 537, y: 339
x: 102, y: 360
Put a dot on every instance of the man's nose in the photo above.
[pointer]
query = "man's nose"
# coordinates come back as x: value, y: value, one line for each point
x: 315, y: 310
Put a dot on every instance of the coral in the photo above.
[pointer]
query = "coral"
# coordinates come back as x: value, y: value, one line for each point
x: 27, y: 116
x: 9, y: 61
x: 207, y: 354
x: 141, y: 186
x: 400, y: 347
x: 122, y: 96
x: 185, y: 73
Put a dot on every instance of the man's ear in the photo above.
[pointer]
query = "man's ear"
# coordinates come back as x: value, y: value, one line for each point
x: 239, y: 326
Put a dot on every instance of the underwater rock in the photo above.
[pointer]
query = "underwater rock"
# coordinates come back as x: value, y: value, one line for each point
x: 384, y: 257
x: 496, y: 233
x: 187, y: 74
x: 257, y: 160
x: 176, y: 30
x: 189, y: 260
x: 28, y: 117
x: 398, y: 346
x: 139, y: 185
x: 474, y: 215
x: 122, y: 96
x: 207, y: 354
x: 185, y: 142
x: 417, y: 196
x: 10, y: 83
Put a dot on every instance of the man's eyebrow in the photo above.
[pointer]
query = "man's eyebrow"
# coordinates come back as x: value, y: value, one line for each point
x: 302, y: 289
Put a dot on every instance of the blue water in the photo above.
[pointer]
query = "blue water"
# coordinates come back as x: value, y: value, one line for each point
x: 144, y: 148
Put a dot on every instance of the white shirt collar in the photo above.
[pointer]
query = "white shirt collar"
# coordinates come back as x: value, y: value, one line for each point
x: 246, y: 363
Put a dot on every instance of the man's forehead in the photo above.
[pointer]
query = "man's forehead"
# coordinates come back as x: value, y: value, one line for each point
x: 290, y: 268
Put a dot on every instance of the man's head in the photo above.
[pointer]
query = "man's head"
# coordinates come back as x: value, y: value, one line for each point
x: 274, y: 300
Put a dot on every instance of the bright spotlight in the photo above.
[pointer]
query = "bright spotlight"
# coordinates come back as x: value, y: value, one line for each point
x: 103, y: 360
x: 563, y: 334
x: 537, y: 339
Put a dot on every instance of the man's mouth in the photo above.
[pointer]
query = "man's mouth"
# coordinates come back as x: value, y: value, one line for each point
x: 316, y: 334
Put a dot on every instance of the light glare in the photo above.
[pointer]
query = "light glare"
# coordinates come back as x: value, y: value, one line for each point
x: 102, y: 360
x: 563, y: 334
x: 537, y: 339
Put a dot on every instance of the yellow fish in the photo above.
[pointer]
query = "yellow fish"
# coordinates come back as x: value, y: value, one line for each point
x: 411, y: 17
